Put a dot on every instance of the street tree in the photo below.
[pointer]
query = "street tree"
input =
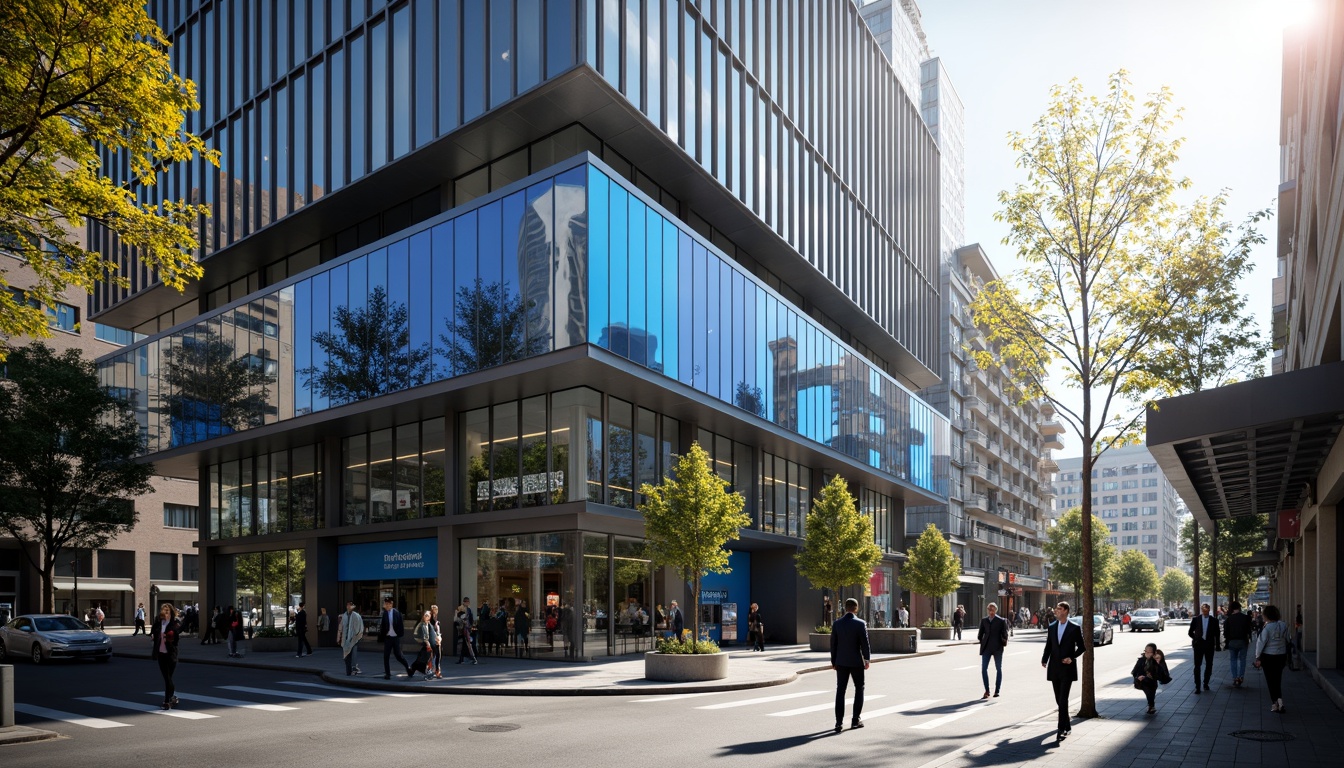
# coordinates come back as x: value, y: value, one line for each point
x: 369, y: 353
x: 1237, y: 537
x: 79, y: 75
x: 1175, y: 587
x: 931, y: 568
x: 1104, y: 246
x: 688, y: 518
x: 839, y: 549
x: 67, y: 475
x: 1063, y: 549
x: 1135, y: 577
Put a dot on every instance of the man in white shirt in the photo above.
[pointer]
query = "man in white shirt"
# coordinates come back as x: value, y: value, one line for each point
x: 139, y: 620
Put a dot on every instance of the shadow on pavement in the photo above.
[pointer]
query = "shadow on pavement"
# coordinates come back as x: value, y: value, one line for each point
x: 775, y: 745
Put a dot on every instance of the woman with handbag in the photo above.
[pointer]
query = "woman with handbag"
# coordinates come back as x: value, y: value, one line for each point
x: 424, y: 634
x: 165, y: 634
x: 1271, y: 655
x: 1148, y: 671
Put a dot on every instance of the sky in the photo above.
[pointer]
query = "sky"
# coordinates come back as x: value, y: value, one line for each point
x: 1222, y: 59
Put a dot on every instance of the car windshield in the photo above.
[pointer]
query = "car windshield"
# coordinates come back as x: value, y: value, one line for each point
x: 58, y: 623
x: 1098, y: 619
x: 1147, y: 613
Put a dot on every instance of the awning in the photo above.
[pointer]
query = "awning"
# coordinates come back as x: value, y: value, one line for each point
x: 1265, y: 557
x: 1249, y: 448
x: 93, y: 585
x: 177, y: 588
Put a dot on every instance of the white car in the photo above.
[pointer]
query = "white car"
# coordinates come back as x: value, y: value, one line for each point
x: 46, y: 636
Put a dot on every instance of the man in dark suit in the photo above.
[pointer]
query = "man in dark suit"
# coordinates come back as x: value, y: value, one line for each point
x: 1204, y: 633
x: 993, y: 637
x: 850, y: 655
x: 1063, y: 644
x: 301, y: 630
x: 390, y: 630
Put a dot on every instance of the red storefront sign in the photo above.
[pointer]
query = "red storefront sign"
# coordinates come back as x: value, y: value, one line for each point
x: 1290, y: 523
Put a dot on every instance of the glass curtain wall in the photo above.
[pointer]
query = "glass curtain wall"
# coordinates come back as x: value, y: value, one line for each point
x: 395, y: 474
x: 270, y: 493
x: 786, y: 495
x: 268, y: 587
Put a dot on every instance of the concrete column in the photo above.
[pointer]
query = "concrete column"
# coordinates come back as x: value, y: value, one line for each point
x: 6, y: 695
x: 1310, y: 585
x: 1327, y: 589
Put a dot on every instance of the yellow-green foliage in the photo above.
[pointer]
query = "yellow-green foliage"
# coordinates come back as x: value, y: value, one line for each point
x: 75, y: 74
x: 838, y: 545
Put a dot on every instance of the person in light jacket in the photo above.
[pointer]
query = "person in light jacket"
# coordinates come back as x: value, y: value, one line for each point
x: 349, y: 631
x: 1271, y: 655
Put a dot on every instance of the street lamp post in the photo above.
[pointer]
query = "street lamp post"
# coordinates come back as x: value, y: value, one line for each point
x: 74, y: 568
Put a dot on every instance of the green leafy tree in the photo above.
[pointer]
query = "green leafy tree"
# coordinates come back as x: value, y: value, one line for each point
x: 688, y: 518
x: 839, y: 549
x: 212, y: 391
x: 77, y: 75
x: 1135, y: 577
x: 1176, y: 587
x: 1063, y: 549
x: 1238, y: 537
x: 370, y: 353
x: 1107, y: 253
x: 932, y: 569
x: 67, y: 475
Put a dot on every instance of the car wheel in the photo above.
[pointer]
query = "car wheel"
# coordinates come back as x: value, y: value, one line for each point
x: 36, y: 655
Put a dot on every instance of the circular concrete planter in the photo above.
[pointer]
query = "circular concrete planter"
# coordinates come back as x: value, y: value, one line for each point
x: 820, y: 643
x: 935, y: 633
x: 685, y: 667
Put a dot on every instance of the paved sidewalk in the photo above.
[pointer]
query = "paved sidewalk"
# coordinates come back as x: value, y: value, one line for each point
x: 509, y: 676
x: 1188, y: 730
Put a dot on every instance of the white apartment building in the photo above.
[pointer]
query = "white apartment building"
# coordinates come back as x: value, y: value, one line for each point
x: 1132, y: 497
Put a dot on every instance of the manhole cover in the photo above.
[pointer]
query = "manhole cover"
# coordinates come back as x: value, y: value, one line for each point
x: 1262, y: 735
x: 494, y: 727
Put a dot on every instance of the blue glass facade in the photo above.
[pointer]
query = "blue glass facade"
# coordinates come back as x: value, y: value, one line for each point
x: 572, y: 256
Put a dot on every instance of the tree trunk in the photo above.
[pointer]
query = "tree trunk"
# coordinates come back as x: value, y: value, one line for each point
x: 695, y: 613
x: 49, y: 586
x: 1088, y: 707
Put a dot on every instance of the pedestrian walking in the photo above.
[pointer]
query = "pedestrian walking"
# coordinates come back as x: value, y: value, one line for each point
x: 1149, y: 670
x: 1063, y: 644
x: 958, y: 621
x: 1204, y: 640
x: 905, y: 616
x: 139, y: 620
x: 462, y: 627
x: 1271, y: 655
x: 349, y: 631
x: 522, y: 630
x: 390, y: 629
x: 438, y: 641
x: 993, y: 637
x: 850, y: 656
x: 165, y: 635
x: 233, y: 625
x: 301, y: 631
x: 98, y: 617
x: 756, y: 628
x: 676, y: 621
x: 323, y: 624
x: 426, y: 637
x: 211, y: 635
x: 1237, y: 631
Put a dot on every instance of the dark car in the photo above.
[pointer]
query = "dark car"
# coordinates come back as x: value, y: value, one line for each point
x: 1147, y: 618
x: 44, y: 636
x: 1102, y: 631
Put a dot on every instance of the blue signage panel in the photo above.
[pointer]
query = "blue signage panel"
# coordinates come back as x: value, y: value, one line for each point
x: 379, y: 560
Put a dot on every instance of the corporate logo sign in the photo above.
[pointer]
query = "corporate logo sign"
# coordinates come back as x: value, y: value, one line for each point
x: 374, y: 561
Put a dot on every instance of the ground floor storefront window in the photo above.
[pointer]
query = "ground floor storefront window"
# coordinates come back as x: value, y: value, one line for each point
x: 581, y: 594
x: 268, y: 587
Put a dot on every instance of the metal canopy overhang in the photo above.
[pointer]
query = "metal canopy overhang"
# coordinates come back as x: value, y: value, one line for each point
x: 1249, y: 448
x: 1265, y: 557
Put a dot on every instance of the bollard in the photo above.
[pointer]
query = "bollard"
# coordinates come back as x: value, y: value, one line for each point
x: 6, y: 695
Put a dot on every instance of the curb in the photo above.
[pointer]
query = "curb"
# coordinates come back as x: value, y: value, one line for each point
x: 662, y: 690
x: 22, y: 734
x: 225, y: 663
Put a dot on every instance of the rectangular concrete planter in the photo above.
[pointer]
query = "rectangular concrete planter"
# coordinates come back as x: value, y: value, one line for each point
x: 685, y: 667
x: 820, y: 643
x: 935, y: 633
x: 894, y: 640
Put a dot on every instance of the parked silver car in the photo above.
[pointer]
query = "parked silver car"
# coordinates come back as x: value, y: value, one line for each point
x: 1147, y: 618
x: 45, y: 636
x: 1102, y: 631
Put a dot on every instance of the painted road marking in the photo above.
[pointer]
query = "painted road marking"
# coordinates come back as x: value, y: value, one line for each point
x: 68, y: 717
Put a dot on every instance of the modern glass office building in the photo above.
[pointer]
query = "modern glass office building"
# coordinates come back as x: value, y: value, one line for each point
x: 478, y: 270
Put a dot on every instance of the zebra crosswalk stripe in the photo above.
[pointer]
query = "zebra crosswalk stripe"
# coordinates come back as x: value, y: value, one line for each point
x: 873, y: 714
x: 68, y: 717
x: 822, y: 707
x: 136, y: 706
x: 227, y: 702
x: 762, y: 700
x: 930, y: 725
x: 348, y: 690
x: 289, y: 694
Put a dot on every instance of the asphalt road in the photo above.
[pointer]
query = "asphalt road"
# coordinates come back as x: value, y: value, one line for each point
x: 916, y: 710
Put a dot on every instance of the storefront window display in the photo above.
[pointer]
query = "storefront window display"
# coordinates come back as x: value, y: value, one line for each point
x: 394, y: 474
x: 270, y: 493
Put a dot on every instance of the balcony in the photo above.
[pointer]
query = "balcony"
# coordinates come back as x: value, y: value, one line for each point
x: 1049, y: 466
x: 978, y: 501
x: 977, y: 405
x: 1051, y: 426
x: 1053, y: 443
x: 976, y: 469
x: 976, y: 437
